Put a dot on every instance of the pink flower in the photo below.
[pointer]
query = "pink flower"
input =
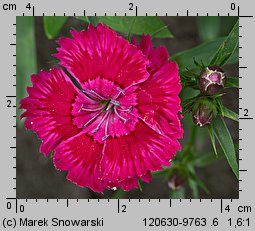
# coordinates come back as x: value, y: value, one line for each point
x: 123, y: 123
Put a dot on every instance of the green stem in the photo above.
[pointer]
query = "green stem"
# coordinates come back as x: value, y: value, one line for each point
x: 193, y: 133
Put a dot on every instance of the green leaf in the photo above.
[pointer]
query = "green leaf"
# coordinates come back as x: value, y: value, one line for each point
x: 83, y: 18
x: 93, y: 19
x: 204, y: 160
x: 203, y: 52
x: 232, y: 82
x: 208, y: 27
x: 129, y: 36
x: 219, y: 105
x: 227, y: 24
x: 52, y: 154
x: 166, y: 171
x: 234, y: 58
x: 230, y: 114
x: 140, y: 186
x: 224, y: 138
x: 52, y: 25
x: 120, y: 193
x: 192, y: 184
x: 135, y: 25
x: 26, y: 57
x: 210, y: 130
x: 198, y: 182
x: 227, y: 48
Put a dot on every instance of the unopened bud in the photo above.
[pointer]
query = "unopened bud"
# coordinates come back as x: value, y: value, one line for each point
x: 204, y: 112
x: 211, y: 80
x: 175, y: 182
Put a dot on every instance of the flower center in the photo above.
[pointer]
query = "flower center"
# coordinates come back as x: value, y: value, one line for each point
x: 103, y: 109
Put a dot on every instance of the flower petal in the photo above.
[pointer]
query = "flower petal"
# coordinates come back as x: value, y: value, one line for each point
x: 158, y: 100
x: 93, y: 116
x: 48, y: 108
x: 80, y: 156
x: 131, y: 183
x: 134, y: 155
x: 100, y: 52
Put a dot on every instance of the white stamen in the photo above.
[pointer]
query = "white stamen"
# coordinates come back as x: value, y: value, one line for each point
x: 120, y: 90
x: 106, y: 128
x: 109, y: 107
x: 80, y: 108
x: 90, y: 109
x: 105, y: 137
x: 129, y: 110
x: 92, y: 119
x: 100, y: 123
x: 96, y: 94
x: 86, y: 93
x: 95, y: 130
x: 126, y: 120
x: 115, y: 110
x: 115, y: 102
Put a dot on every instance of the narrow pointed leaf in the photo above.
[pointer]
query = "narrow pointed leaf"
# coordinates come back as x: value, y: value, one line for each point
x: 140, y: 186
x: 227, y: 48
x: 220, y: 106
x: 230, y: 114
x: 203, y: 52
x: 207, y: 159
x: 199, y: 182
x: 225, y: 140
x: 166, y: 171
x: 192, y: 184
x: 210, y: 130
x: 232, y: 82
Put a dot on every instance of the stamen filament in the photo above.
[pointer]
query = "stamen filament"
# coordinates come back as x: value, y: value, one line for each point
x: 127, y: 110
x: 100, y: 123
x: 106, y: 128
x: 92, y: 95
x: 115, y: 110
x: 121, y: 91
x: 90, y: 109
x: 85, y: 93
x: 96, y: 94
x: 92, y: 119
x: 115, y: 102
